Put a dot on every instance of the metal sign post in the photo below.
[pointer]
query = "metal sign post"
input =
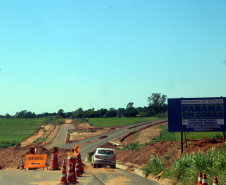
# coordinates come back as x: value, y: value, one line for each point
x: 181, y: 143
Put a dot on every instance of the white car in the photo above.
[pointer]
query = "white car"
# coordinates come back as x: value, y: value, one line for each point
x: 104, y: 156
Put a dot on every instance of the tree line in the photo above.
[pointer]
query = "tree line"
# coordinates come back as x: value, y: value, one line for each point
x: 156, y: 107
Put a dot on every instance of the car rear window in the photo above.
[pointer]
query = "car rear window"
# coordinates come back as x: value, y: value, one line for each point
x: 106, y: 152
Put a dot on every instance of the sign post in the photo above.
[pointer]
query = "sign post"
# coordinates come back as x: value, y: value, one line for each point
x: 182, y: 148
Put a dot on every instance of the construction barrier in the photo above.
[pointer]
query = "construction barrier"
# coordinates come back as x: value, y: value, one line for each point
x: 204, y: 180
x: 74, y: 168
x: 69, y: 174
x: 63, y: 174
x: 22, y: 165
x: 73, y: 159
x: 74, y: 175
x: 79, y: 163
x: 54, y: 162
x: 69, y: 161
x: 77, y: 172
x: 200, y: 178
x: 215, y: 181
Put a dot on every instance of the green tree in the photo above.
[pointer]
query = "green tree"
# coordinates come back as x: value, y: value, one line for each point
x: 103, y: 113
x: 68, y: 114
x: 25, y: 114
x: 93, y: 114
x: 61, y: 113
x: 121, y: 112
x: 79, y: 113
x: 111, y: 113
x: 130, y: 110
x: 157, y: 104
x: 7, y: 115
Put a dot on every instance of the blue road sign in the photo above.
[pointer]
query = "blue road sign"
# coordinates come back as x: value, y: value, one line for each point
x: 196, y: 114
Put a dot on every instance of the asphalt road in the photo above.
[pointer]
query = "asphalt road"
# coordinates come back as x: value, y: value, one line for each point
x: 91, y: 176
x: 60, y: 138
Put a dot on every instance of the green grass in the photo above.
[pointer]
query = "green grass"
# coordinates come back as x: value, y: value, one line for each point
x: 15, y: 130
x: 108, y: 122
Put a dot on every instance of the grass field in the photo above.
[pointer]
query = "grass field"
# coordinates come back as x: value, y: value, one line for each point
x: 15, y: 130
x: 108, y: 122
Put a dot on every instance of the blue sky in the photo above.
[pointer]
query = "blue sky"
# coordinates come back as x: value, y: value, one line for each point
x: 59, y: 54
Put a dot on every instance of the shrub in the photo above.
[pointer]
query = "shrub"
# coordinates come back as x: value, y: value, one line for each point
x: 154, y: 166
x: 7, y: 144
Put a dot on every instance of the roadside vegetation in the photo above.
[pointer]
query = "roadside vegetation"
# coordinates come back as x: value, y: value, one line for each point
x: 184, y: 170
x: 15, y: 130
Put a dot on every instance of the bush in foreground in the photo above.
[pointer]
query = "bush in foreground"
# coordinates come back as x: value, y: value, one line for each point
x: 185, y: 169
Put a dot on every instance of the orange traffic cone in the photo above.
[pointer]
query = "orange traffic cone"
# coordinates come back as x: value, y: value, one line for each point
x: 69, y: 174
x: 73, y: 170
x: 22, y: 165
x: 204, y: 180
x: 77, y: 172
x: 200, y: 178
x: 79, y: 163
x: 54, y: 162
x: 215, y: 181
x: 74, y: 176
x: 63, y: 174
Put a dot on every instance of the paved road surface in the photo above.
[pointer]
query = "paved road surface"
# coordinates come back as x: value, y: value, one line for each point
x: 60, y: 138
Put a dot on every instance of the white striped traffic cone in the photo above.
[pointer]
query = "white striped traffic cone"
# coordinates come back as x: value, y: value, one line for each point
x: 63, y: 174
x: 215, y: 181
x: 204, y: 180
